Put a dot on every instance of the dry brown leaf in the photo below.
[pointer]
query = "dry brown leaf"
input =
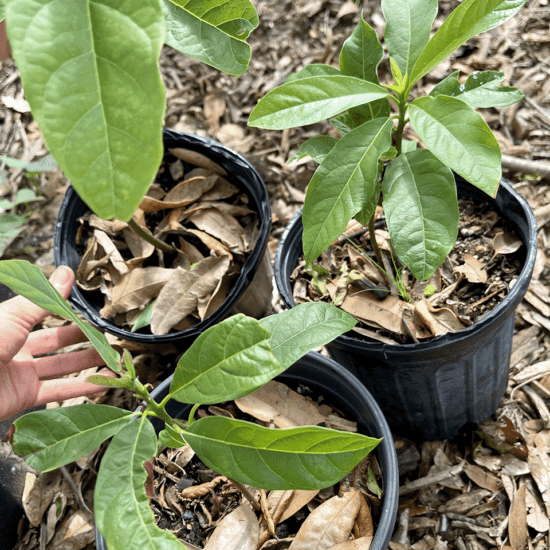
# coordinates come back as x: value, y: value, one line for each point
x: 483, y: 478
x: 291, y: 500
x: 237, y: 531
x: 506, y: 464
x: 115, y: 258
x: 222, y: 190
x: 198, y: 159
x: 517, y: 521
x: 196, y: 491
x: 55, y: 513
x: 329, y: 524
x: 38, y: 493
x: 472, y: 269
x: 136, y: 289
x: 179, y: 297
x: 214, y: 108
x: 536, y: 518
x: 506, y: 243
x: 278, y: 403
x: 74, y: 533
x: 438, y: 321
x: 357, y: 544
x: 213, y: 244
x: 462, y: 504
x: 220, y: 225
x: 139, y: 247
x: 364, y: 526
x: 539, y: 465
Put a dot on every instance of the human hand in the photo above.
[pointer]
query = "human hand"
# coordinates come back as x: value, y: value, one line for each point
x: 26, y: 381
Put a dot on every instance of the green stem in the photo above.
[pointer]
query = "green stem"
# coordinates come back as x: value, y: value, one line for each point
x: 400, y: 125
x: 149, y: 238
x: 155, y: 408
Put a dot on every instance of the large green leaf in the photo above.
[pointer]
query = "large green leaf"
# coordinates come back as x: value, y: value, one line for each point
x: 459, y: 138
x: 468, y: 19
x: 29, y: 281
x: 342, y: 184
x: 297, y: 458
x: 421, y: 208
x: 121, y: 506
x: 317, y: 147
x: 311, y: 100
x: 212, y: 31
x: 91, y: 75
x: 10, y: 227
x: 479, y: 90
x: 313, y: 69
x: 360, y: 56
x: 3, y: 9
x: 298, y: 330
x: 227, y: 361
x: 52, y: 438
x: 408, y: 27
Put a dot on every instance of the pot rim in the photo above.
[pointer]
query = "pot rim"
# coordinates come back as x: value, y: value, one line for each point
x: 515, y: 295
x: 252, y: 262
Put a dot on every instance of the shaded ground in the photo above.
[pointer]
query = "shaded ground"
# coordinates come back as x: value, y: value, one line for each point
x: 465, y: 498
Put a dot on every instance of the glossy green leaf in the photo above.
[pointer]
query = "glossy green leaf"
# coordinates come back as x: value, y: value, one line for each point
x: 469, y: 18
x: 2, y: 9
x: 316, y: 147
x: 407, y: 146
x: 44, y: 164
x: 144, y: 318
x: 29, y: 281
x: 171, y: 438
x: 314, y: 69
x: 408, y: 27
x: 121, y: 506
x: 311, y: 100
x: 91, y: 75
x: 459, y: 138
x: 479, y: 90
x: 342, y: 184
x: 298, y: 330
x: 296, y: 458
x: 361, y: 53
x: 14, y: 163
x: 109, y: 381
x: 421, y: 207
x: 369, y: 206
x: 227, y: 361
x: 212, y: 31
x: 52, y: 438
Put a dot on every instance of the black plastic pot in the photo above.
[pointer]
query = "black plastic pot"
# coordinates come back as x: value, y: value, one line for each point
x: 341, y: 389
x: 252, y: 291
x: 431, y: 390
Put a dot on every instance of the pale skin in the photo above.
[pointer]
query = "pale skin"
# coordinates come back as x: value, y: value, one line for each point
x: 27, y: 380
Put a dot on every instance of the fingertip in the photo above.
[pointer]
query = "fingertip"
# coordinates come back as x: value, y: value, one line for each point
x: 62, y: 279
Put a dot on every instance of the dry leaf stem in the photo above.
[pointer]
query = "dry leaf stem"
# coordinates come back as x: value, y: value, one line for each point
x: 431, y: 479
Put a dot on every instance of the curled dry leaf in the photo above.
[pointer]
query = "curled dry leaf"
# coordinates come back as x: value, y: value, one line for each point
x: 329, y: 524
x: 213, y: 244
x: 38, y: 493
x: 75, y: 532
x: 237, y: 531
x: 196, y: 491
x: 506, y: 243
x: 197, y: 159
x: 220, y: 225
x: 284, y: 504
x: 180, y: 296
x: 439, y: 321
x: 276, y: 402
x: 357, y: 544
x: 472, y: 269
x: 536, y: 517
x: 136, y: 289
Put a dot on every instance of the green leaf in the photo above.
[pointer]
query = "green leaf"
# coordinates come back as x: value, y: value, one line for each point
x: 296, y: 458
x: 29, y: 281
x: 212, y: 31
x: 421, y: 208
x: 52, y: 438
x: 408, y: 27
x: 298, y: 330
x: 468, y: 19
x: 14, y: 163
x: 227, y: 361
x: 110, y: 382
x: 2, y: 9
x: 369, y: 207
x: 91, y: 75
x: 45, y: 164
x: 317, y: 147
x: 361, y: 53
x: 26, y: 195
x: 10, y: 227
x: 459, y: 138
x: 121, y: 506
x: 144, y: 318
x: 314, y: 69
x: 407, y: 146
x: 311, y: 100
x: 171, y: 438
x: 480, y: 90
x: 342, y: 184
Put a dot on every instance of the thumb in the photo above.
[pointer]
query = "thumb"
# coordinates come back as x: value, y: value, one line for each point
x: 18, y: 315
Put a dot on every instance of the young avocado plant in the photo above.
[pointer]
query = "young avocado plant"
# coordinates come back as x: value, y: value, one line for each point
x: 228, y: 361
x: 371, y: 162
x: 91, y: 75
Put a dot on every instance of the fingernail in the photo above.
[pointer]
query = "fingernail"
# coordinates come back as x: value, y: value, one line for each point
x: 60, y: 277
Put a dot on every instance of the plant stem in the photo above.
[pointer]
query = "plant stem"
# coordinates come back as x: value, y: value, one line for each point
x: 149, y: 238
x: 246, y: 493
x: 373, y: 242
x: 401, y: 124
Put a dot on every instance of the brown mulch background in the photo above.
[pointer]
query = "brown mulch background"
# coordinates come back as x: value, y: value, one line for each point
x: 488, y: 489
